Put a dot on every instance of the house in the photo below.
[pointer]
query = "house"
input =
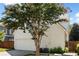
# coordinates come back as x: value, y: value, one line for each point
x: 56, y: 36
x: 8, y: 33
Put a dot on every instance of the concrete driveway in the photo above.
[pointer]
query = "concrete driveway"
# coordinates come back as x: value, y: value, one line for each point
x: 15, y: 53
x: 26, y: 52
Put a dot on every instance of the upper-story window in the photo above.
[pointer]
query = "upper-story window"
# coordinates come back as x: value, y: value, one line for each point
x: 9, y: 31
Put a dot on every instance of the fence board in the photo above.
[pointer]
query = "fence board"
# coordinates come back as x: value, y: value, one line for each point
x: 72, y: 45
x: 7, y: 44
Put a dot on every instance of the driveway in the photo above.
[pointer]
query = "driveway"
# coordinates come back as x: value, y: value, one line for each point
x: 15, y: 53
x: 26, y: 52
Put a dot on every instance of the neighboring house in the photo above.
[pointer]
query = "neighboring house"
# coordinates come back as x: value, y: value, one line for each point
x: 56, y: 36
x: 8, y: 33
x: 7, y: 40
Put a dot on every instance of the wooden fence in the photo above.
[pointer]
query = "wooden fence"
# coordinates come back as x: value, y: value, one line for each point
x: 72, y: 45
x: 7, y: 44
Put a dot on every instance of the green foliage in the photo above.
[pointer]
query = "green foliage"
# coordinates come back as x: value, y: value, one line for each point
x: 77, y: 49
x: 74, y: 33
x: 1, y: 36
x: 56, y: 50
x: 66, y: 49
x: 3, y: 49
x: 36, y: 18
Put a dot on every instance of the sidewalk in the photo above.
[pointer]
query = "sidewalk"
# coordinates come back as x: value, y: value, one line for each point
x: 70, y: 54
x: 4, y: 54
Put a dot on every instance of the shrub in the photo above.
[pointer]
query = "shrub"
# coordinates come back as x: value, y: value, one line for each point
x: 58, y: 50
x: 66, y: 49
x: 1, y: 36
x: 77, y: 49
x: 52, y: 50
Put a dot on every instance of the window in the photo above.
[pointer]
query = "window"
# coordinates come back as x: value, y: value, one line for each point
x: 9, y: 31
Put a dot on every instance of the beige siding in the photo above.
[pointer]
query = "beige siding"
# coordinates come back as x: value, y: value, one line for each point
x: 56, y: 36
x: 23, y: 41
x: 24, y: 45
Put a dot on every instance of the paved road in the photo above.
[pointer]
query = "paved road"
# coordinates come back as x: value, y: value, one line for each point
x: 15, y: 53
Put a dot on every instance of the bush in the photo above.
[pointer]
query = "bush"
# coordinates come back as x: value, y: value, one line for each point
x: 66, y: 49
x: 56, y: 50
x: 1, y: 36
x: 52, y: 50
x: 77, y: 49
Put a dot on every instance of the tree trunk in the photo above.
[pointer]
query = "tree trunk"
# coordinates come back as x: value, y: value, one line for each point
x: 37, y: 49
x: 37, y: 44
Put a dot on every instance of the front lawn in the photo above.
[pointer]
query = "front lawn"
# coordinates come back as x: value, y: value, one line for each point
x: 3, y: 49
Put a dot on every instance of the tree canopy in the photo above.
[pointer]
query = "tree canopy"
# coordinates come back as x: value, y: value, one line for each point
x: 34, y: 17
x: 74, y: 34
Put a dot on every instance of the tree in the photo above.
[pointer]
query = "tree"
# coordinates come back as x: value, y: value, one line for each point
x: 36, y: 18
x: 74, y: 33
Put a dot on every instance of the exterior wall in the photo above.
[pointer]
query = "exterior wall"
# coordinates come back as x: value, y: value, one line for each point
x: 66, y: 26
x: 55, y: 38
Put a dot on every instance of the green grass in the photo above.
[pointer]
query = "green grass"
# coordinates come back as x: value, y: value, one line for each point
x: 3, y: 49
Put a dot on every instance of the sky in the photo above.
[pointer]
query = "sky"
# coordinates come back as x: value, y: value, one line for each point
x: 73, y: 15
x: 2, y: 9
